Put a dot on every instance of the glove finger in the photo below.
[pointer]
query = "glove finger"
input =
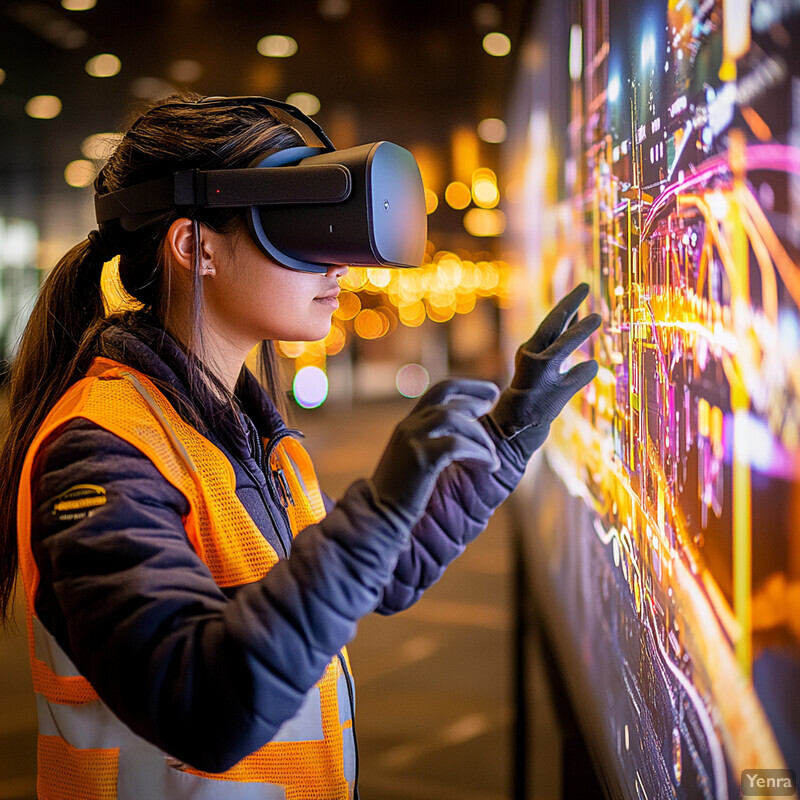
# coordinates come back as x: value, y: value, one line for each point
x: 579, y: 376
x: 567, y: 385
x: 447, y: 449
x: 455, y: 423
x: 556, y: 321
x: 573, y: 338
x: 531, y: 368
x: 472, y: 407
x: 444, y: 391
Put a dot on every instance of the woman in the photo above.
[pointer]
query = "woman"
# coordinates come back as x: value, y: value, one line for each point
x: 190, y: 591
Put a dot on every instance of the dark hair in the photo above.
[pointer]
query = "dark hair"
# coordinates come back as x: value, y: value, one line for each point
x: 60, y: 339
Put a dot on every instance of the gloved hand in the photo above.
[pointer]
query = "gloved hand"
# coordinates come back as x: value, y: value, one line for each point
x: 539, y: 390
x: 442, y: 428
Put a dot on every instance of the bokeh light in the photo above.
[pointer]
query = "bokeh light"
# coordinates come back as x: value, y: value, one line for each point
x: 412, y: 380
x: 465, y: 303
x: 78, y: 5
x: 43, y: 106
x: 379, y: 277
x: 276, y: 46
x: 431, y: 201
x: 485, y: 192
x: 185, y: 70
x: 104, y: 65
x: 151, y: 88
x: 439, y: 310
x: 349, y: 306
x: 291, y: 349
x: 492, y: 130
x: 613, y: 89
x: 576, y: 52
x: 412, y: 314
x: 333, y: 9
x: 310, y: 387
x: 484, y: 222
x: 308, y: 103
x: 497, y: 44
x: 389, y: 320
x: 335, y: 341
x: 458, y: 195
x: 354, y: 280
x: 80, y: 173
x: 99, y: 146
x: 371, y: 324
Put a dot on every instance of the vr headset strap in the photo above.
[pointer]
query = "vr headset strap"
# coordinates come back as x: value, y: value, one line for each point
x: 229, y: 188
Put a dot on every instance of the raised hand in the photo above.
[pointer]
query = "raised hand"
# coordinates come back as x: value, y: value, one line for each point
x: 539, y: 389
x: 443, y: 427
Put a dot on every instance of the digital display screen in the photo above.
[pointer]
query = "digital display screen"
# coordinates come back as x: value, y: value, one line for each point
x: 655, y: 154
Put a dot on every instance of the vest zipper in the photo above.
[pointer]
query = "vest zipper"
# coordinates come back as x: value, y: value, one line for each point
x: 351, y: 699
x: 276, y: 480
x: 258, y: 454
x: 283, y: 485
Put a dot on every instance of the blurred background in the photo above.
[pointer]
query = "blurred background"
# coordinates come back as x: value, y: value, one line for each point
x: 433, y: 77
x: 439, y: 695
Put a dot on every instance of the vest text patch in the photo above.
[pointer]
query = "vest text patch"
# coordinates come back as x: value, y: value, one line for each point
x: 78, y: 502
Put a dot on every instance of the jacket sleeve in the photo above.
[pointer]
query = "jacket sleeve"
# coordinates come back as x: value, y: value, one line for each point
x: 207, y: 675
x: 462, y: 502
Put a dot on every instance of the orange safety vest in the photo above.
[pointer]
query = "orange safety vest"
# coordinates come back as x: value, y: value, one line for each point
x: 84, y: 751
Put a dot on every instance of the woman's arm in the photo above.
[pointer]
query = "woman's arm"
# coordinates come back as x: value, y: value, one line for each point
x: 205, y: 674
x: 464, y: 499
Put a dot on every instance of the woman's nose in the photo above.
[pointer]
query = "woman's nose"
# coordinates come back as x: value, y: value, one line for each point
x: 337, y: 271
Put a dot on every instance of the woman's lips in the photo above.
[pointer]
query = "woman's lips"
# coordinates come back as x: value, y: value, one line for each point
x: 329, y: 298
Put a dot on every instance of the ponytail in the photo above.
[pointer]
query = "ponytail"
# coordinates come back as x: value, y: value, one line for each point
x: 55, y: 350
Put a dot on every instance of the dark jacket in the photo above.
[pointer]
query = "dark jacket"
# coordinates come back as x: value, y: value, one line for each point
x: 210, y: 674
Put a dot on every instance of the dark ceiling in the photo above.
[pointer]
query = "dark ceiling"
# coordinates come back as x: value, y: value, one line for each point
x: 404, y: 70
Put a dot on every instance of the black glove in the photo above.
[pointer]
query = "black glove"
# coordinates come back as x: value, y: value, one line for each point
x: 539, y: 390
x: 443, y: 427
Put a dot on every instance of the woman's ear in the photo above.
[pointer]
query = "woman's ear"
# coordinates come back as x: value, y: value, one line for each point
x: 180, y: 246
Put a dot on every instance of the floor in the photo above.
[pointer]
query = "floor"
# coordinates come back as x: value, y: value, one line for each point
x: 434, y: 710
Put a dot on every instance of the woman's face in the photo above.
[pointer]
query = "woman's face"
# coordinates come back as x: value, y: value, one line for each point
x: 250, y: 297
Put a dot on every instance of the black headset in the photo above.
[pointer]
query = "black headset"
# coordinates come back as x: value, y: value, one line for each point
x: 309, y: 208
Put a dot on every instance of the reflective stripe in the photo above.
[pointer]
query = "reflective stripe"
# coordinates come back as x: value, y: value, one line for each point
x: 166, y: 427
x: 298, y: 473
x: 49, y: 651
x: 140, y: 779
x: 306, y: 724
x: 85, y: 727
x: 349, y: 749
x: 142, y: 771
x: 344, y: 699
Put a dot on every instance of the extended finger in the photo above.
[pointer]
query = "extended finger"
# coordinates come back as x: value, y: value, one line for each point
x: 579, y: 376
x: 557, y: 320
x: 573, y: 338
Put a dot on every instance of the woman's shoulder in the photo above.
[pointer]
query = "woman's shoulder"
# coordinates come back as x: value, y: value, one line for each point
x: 81, y: 453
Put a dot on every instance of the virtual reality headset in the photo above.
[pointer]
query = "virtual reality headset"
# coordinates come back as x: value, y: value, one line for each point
x: 308, y: 208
